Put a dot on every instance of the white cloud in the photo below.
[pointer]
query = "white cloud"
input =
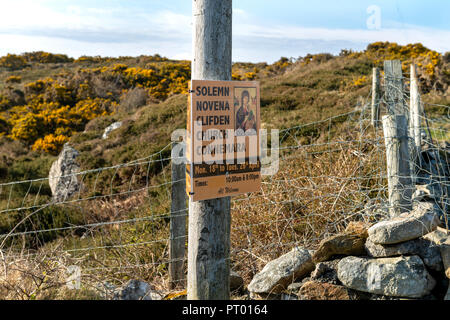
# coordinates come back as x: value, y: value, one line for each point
x: 27, y: 25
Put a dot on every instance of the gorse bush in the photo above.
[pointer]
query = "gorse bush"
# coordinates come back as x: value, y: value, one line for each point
x: 46, y: 57
x: 56, y: 108
x: 13, y: 62
x: 14, y: 79
x: 44, y: 108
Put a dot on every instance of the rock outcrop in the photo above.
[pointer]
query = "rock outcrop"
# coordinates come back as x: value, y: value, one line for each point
x: 110, y: 128
x: 62, y: 177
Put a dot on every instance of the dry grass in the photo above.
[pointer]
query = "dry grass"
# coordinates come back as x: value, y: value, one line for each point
x: 317, y: 191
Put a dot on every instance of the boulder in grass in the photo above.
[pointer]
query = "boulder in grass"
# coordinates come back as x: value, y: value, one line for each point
x: 396, y: 277
x: 279, y: 273
x: 137, y: 290
x: 62, y: 178
x: 110, y: 128
x: 422, y: 220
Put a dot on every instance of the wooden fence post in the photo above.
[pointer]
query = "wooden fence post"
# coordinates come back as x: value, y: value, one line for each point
x: 393, y: 81
x: 177, y: 223
x: 210, y: 220
x: 395, y: 128
x: 414, y: 116
x: 376, y: 94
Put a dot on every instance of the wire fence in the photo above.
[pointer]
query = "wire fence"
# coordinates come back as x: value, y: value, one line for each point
x: 115, y: 226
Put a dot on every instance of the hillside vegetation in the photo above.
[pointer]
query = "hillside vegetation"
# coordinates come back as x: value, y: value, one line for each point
x: 47, y: 100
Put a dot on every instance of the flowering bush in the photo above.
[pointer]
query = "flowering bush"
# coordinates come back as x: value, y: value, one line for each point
x: 14, y: 79
x: 13, y: 62
x: 360, y: 82
x: 50, y: 143
x: 46, y: 57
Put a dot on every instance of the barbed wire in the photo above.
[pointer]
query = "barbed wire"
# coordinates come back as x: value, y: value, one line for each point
x: 321, y: 185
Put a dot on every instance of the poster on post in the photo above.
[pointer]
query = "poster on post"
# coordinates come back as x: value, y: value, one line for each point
x: 223, y: 146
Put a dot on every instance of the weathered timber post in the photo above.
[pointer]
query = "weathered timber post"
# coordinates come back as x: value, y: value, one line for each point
x: 376, y: 94
x: 395, y: 128
x: 210, y: 220
x: 177, y: 223
x: 414, y: 122
x: 393, y: 81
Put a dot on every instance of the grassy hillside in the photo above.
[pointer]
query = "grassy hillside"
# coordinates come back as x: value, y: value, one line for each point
x: 47, y: 100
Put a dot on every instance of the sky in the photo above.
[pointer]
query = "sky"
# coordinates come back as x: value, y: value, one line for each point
x: 263, y: 30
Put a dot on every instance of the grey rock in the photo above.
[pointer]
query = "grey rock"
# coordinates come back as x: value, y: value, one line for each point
x: 339, y: 244
x: 62, y: 177
x: 425, y: 249
x: 279, y: 273
x: 438, y: 236
x: 447, y: 296
x: 236, y: 281
x: 445, y: 253
x: 326, y: 272
x: 397, y: 277
x: 137, y: 290
x: 320, y: 269
x: 424, y: 219
x: 110, y: 128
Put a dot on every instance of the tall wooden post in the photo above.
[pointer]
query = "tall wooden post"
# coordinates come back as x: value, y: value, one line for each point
x: 376, y: 94
x: 393, y: 81
x: 177, y: 223
x: 395, y: 128
x: 210, y: 220
x: 414, y: 121
x: 414, y: 118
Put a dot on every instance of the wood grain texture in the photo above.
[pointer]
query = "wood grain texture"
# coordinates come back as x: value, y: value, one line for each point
x: 414, y: 108
x: 178, y: 225
x: 376, y: 95
x: 393, y: 80
x: 210, y: 220
x: 395, y: 129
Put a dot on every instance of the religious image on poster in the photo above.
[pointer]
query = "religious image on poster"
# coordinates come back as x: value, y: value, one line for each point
x: 245, y: 109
